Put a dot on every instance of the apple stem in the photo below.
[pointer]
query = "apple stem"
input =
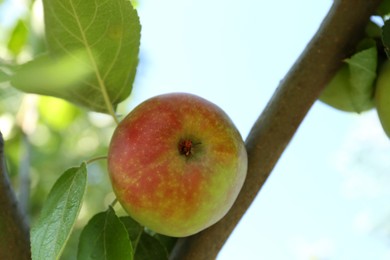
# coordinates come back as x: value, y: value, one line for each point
x: 113, y: 203
x: 103, y: 157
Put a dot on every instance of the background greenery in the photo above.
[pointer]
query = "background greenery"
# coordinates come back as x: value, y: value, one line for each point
x: 40, y: 128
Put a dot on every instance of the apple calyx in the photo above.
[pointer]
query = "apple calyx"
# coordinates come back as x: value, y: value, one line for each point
x: 186, y: 146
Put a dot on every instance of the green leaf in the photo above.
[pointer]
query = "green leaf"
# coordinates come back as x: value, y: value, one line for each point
x: 365, y: 44
x: 135, y: 3
x: 59, y: 213
x: 386, y: 37
x: 57, y: 113
x: 150, y: 248
x: 134, y: 229
x: 109, y: 32
x: 54, y: 76
x: 167, y: 242
x: 384, y: 8
x: 4, y: 77
x: 147, y: 246
x: 338, y: 91
x: 6, y: 71
x: 18, y: 38
x: 105, y: 237
x: 373, y: 30
x: 362, y: 68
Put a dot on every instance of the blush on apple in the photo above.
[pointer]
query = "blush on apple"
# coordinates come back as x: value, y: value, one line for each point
x: 177, y: 164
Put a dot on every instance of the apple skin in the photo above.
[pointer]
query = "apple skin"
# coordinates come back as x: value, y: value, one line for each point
x: 382, y: 96
x: 177, y: 163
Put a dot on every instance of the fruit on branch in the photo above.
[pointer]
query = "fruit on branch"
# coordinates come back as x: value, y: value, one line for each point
x: 177, y: 164
x: 382, y: 96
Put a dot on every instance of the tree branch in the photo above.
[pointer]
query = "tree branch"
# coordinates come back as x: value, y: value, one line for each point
x: 273, y: 130
x: 14, y: 233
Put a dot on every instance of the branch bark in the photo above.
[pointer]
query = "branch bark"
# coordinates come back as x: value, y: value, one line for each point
x: 273, y: 130
x: 14, y: 233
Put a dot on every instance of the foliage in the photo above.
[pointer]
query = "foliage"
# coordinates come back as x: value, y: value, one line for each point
x: 100, y: 39
x: 59, y: 214
x: 354, y: 87
x: 90, y: 60
x: 105, y: 237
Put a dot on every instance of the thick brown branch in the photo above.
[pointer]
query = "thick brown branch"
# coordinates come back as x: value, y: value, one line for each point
x: 14, y: 234
x: 281, y: 118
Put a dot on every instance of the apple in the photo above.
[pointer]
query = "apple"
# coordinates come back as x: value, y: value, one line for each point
x: 177, y: 163
x: 382, y: 96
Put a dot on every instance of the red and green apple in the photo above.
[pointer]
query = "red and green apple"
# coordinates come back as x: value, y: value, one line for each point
x: 177, y: 163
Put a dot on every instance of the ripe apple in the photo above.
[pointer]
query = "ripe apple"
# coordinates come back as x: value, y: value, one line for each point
x: 382, y: 96
x: 177, y: 164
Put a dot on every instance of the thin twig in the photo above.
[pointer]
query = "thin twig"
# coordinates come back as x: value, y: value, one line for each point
x: 337, y: 36
x: 24, y: 176
x: 102, y: 157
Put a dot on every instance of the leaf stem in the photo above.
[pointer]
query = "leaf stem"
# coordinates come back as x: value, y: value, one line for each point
x: 103, y: 157
x: 113, y: 203
x: 138, y: 239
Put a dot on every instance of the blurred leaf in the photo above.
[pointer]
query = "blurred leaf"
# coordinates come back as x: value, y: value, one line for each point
x: 4, y: 77
x: 105, y: 237
x: 386, y: 37
x: 373, y: 30
x: 6, y: 71
x: 18, y: 38
x: 384, y: 8
x: 365, y: 44
x: 109, y: 32
x: 150, y: 248
x: 166, y: 241
x: 54, y: 76
x: 56, y: 112
x: 59, y: 213
x: 134, y: 3
x: 362, y: 68
x: 134, y: 229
